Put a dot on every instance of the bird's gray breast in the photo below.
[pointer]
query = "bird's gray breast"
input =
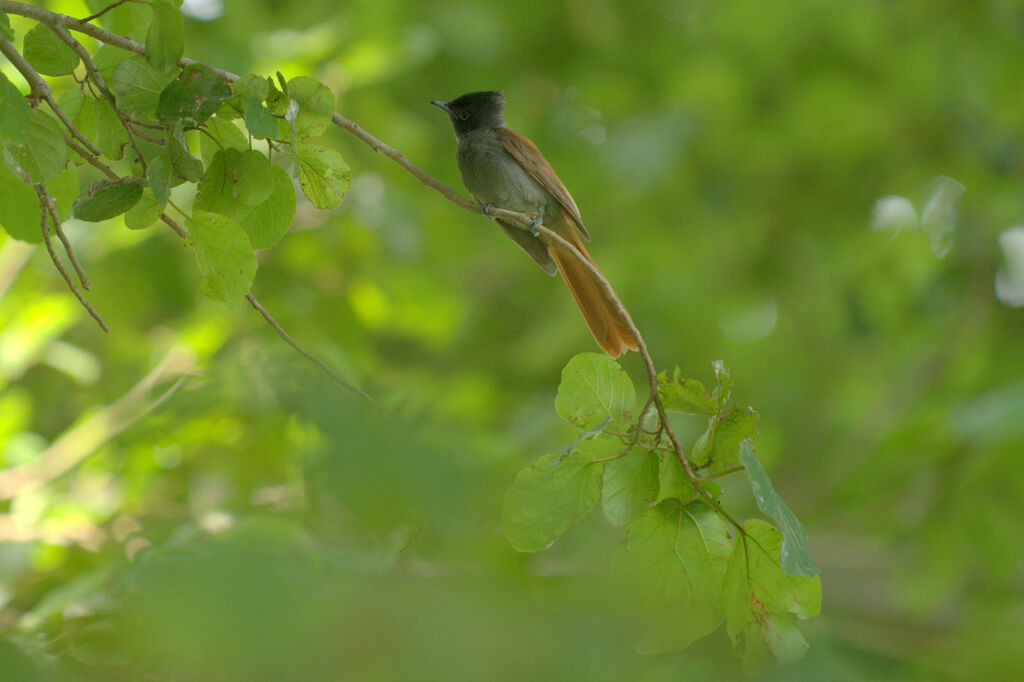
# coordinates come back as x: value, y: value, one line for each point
x: 493, y: 176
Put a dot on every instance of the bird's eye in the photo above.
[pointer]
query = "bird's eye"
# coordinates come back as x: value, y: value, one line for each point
x: 462, y: 115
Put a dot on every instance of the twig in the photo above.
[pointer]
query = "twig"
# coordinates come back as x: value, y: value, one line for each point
x: 41, y: 90
x: 59, y: 229
x: 305, y: 353
x: 44, y: 213
x: 103, y: 11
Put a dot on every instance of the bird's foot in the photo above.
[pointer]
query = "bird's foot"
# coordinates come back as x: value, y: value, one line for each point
x: 486, y: 209
x: 536, y: 222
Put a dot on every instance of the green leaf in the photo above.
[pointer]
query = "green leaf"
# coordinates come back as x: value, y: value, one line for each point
x: 6, y: 32
x: 761, y: 601
x: 794, y: 556
x: 269, y: 220
x: 215, y: 187
x: 158, y: 173
x: 685, y: 395
x: 593, y: 388
x: 252, y: 180
x: 260, y: 122
x: 183, y: 164
x: 14, y: 111
x: 82, y: 111
x: 144, y: 213
x: 193, y: 97
x: 221, y: 131
x: 137, y: 86
x: 225, y: 257
x: 629, y: 487
x: 108, y: 198
x: 165, y: 42
x: 552, y: 494
x: 316, y: 106
x: 106, y: 59
x: 323, y: 175
x: 20, y: 214
x: 675, y: 558
x: 41, y: 153
x: 719, y: 445
x: 47, y: 53
x: 64, y: 189
x: 672, y: 483
x: 111, y: 138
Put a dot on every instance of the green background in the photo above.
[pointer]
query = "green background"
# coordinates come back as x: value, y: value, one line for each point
x: 260, y: 523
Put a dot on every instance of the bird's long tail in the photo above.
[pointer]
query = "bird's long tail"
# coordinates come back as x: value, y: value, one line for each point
x: 606, y: 324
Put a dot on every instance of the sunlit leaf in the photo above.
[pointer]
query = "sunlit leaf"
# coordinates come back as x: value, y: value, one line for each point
x: 675, y: 558
x: 20, y: 215
x: 761, y: 602
x: 111, y: 136
x: 315, y: 106
x: 593, y: 388
x: 47, y: 53
x: 108, y: 198
x: 224, y: 255
x: 719, y: 445
x: 552, y: 494
x: 145, y: 213
x: 269, y: 220
x: 323, y: 175
x: 165, y: 42
x: 223, y: 134
x: 137, y: 86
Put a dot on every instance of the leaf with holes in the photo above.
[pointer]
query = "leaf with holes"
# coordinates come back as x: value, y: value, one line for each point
x: 323, y: 175
x: 761, y: 602
x: 107, y: 199
x: 593, y: 388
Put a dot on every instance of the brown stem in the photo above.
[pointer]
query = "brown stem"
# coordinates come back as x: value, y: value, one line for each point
x: 44, y: 214
x: 59, y: 229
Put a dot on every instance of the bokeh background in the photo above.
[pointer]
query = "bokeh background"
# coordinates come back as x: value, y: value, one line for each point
x: 776, y: 185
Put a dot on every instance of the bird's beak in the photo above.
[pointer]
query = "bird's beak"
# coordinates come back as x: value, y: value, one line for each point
x: 441, y: 105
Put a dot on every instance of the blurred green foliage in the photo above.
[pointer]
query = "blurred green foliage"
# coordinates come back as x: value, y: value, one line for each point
x: 259, y: 523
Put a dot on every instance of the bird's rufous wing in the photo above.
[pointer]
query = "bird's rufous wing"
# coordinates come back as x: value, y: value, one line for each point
x: 534, y: 163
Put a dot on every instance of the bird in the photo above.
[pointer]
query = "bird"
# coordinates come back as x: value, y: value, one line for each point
x: 504, y: 169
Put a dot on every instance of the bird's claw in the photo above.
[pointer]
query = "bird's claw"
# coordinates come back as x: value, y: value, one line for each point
x: 486, y: 209
x: 536, y: 222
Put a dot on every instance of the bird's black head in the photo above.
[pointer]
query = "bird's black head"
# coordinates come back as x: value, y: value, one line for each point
x: 475, y: 110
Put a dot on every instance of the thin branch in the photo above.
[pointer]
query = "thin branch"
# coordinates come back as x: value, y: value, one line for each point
x: 41, y: 90
x: 44, y: 214
x: 59, y: 229
x: 305, y: 353
x: 103, y: 11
